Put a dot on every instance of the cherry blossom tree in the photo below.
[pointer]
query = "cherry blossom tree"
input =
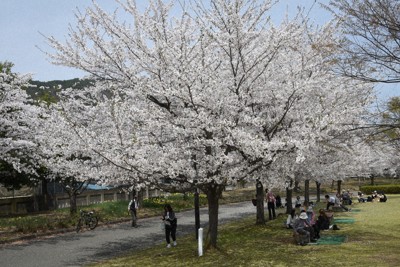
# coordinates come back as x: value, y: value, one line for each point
x: 204, y: 99
x: 18, y: 163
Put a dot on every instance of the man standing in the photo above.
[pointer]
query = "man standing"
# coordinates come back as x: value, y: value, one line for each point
x: 132, y: 209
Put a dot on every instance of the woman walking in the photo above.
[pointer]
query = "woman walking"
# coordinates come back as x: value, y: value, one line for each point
x: 170, y: 222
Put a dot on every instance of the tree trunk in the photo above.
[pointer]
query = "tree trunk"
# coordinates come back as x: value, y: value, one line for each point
x: 45, y: 196
x: 318, y: 185
x: 339, y: 187
x: 372, y: 179
x: 289, y: 204
x: 140, y: 198
x: 72, y: 202
x: 197, y: 213
x: 307, y: 191
x: 260, y: 203
x: 297, y: 186
x: 213, y: 192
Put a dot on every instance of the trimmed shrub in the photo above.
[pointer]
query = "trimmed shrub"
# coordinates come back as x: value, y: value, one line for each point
x: 387, y: 189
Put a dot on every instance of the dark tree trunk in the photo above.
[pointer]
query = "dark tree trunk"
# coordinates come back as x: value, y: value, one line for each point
x: 213, y: 192
x: 339, y: 187
x: 260, y: 203
x: 45, y: 195
x: 289, y: 204
x: 72, y: 202
x: 333, y: 184
x: 196, y: 213
x: 297, y: 186
x: 307, y: 191
x: 318, y: 185
x: 140, y: 197
x: 73, y: 188
x: 372, y: 179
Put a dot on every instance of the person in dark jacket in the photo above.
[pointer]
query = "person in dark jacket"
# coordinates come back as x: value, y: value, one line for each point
x: 170, y: 222
x: 322, y: 223
x: 132, y: 207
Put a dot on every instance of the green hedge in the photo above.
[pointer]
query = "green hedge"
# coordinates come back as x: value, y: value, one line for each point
x: 387, y: 189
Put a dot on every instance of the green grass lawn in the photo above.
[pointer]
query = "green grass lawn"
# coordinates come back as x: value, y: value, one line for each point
x: 372, y: 240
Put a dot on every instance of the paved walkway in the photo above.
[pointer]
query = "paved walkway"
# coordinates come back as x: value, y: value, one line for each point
x: 77, y: 249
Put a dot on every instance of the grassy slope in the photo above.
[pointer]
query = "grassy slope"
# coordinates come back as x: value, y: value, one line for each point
x: 371, y: 241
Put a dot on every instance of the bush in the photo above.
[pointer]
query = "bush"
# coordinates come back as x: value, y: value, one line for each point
x: 387, y: 189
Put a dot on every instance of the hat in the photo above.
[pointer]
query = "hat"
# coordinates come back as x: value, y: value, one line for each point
x: 303, y: 215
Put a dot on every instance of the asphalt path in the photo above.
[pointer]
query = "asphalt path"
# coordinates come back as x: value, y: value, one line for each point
x: 105, y: 242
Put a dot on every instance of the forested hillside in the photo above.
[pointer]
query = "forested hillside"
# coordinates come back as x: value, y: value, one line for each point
x: 48, y: 90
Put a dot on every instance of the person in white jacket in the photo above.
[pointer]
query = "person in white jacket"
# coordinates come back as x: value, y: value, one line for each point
x: 292, y: 217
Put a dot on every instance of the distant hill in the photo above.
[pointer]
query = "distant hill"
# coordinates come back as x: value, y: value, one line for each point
x: 48, y: 90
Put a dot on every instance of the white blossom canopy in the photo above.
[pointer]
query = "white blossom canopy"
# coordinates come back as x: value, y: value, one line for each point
x: 211, y: 95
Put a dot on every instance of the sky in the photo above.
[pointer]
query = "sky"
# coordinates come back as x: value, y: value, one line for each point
x: 24, y: 22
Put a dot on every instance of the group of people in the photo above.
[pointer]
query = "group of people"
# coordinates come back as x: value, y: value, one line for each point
x: 302, y: 218
x: 374, y: 197
x: 304, y: 222
x: 169, y: 219
x: 307, y: 223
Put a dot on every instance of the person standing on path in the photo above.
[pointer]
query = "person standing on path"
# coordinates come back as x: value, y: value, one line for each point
x: 170, y: 222
x: 271, y: 204
x: 132, y: 207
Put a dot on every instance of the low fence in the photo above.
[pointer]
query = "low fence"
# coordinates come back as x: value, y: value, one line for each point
x: 26, y: 204
x: 16, y: 205
x: 90, y: 197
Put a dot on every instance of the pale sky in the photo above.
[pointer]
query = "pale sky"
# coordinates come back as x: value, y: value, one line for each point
x: 22, y: 21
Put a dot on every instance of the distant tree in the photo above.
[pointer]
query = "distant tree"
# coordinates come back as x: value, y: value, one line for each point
x: 371, y: 47
x: 19, y: 165
x: 17, y: 121
x: 391, y: 119
x: 66, y: 158
x: 6, y: 67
